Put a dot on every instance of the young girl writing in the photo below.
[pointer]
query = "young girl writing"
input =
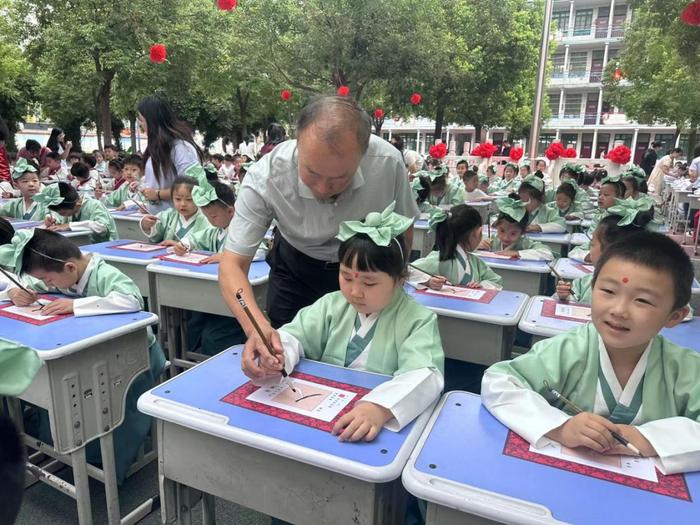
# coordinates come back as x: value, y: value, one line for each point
x: 127, y: 194
x: 565, y: 204
x: 92, y: 287
x: 510, y: 241
x: 508, y: 183
x: 174, y: 224
x: 442, y: 192
x: 458, y: 232
x: 627, y: 217
x: 26, y: 179
x: 634, y: 180
x: 76, y: 213
x: 370, y: 324
x: 540, y: 217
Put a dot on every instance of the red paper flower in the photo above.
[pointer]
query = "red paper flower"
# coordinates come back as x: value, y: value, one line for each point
x: 158, y: 53
x: 226, y: 5
x: 416, y: 98
x: 619, y: 155
x: 569, y: 153
x: 343, y: 91
x: 485, y: 150
x: 554, y: 151
x: 618, y: 74
x: 285, y: 95
x: 438, y: 151
x: 379, y: 113
x: 691, y: 14
x: 516, y: 153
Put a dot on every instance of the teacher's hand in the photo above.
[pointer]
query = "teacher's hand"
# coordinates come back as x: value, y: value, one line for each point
x: 150, y: 193
x: 257, y: 362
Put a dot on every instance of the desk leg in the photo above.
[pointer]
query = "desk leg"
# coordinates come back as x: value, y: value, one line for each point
x: 208, y: 509
x: 439, y: 515
x: 82, y: 486
x: 110, y: 478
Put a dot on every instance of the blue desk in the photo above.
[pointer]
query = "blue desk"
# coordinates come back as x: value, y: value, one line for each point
x: 568, y: 270
x: 696, y: 287
x: 529, y: 277
x: 423, y: 237
x: 89, y: 364
x: 541, y: 327
x: 253, y: 458
x: 686, y: 334
x: 78, y: 237
x: 127, y: 222
x: 476, y: 332
x: 459, y: 467
x: 176, y: 287
x: 132, y: 264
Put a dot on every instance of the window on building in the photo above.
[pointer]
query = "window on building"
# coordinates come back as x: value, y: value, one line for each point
x: 623, y: 138
x: 558, y: 65
x: 569, y: 140
x: 577, y: 64
x: 601, y: 23
x: 572, y: 105
x: 543, y: 143
x: 683, y: 143
x: 668, y: 142
x: 583, y: 22
x: 554, y: 101
x: 409, y: 141
x: 561, y: 19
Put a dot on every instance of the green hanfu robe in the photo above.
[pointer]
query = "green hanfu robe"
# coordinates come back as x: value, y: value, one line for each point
x: 573, y: 209
x: 463, y: 269
x: 104, y: 290
x: 502, y: 186
x: 548, y: 220
x: 17, y: 209
x: 120, y: 196
x: 527, y: 249
x: 661, y: 397
x: 580, y: 253
x: 18, y: 366
x: 171, y: 226
x: 453, y: 195
x: 582, y: 289
x: 93, y: 216
x: 212, y: 239
x: 402, y: 340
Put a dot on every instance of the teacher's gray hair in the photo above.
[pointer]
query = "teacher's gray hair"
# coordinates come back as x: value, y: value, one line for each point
x: 333, y: 116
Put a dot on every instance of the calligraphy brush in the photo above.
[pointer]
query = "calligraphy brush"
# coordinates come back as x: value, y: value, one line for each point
x: 17, y: 283
x: 560, y: 278
x: 428, y: 273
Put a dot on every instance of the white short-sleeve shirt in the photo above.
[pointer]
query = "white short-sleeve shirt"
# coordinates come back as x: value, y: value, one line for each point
x: 183, y: 155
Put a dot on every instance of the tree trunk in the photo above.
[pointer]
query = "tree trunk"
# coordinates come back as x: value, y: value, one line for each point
x: 98, y: 128
x: 439, y: 119
x: 104, y: 114
x: 117, y: 126
x: 692, y: 140
x: 72, y: 131
x: 477, y: 134
x: 243, y: 109
x: 132, y: 131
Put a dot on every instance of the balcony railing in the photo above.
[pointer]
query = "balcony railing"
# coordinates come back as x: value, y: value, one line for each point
x: 598, y: 31
x: 571, y: 119
x: 576, y: 76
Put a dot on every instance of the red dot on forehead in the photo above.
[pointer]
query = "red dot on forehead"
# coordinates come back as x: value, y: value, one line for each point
x: 356, y: 275
x: 625, y: 280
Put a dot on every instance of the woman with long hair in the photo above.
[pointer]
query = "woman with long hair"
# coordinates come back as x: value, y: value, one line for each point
x: 57, y: 143
x: 275, y: 134
x: 170, y: 153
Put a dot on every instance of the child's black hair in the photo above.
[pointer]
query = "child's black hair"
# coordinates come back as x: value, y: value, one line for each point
x: 90, y: 160
x: 507, y: 218
x: 116, y: 164
x: 531, y: 191
x: 70, y: 197
x: 461, y: 221
x: 585, y: 179
x: 75, y: 155
x: 469, y: 174
x: 80, y: 170
x: 228, y: 157
x: 609, y: 232
x: 568, y: 190
x: 424, y: 191
x: 48, y: 251
x: 539, y: 174
x: 657, y: 252
x: 438, y: 183
x: 183, y: 180
x: 12, y: 469
x: 362, y: 251
x: 514, y: 196
x: 218, y: 156
x: 7, y: 231
x: 637, y: 185
x: 53, y: 155
x: 618, y: 186
x: 599, y: 174
x: 224, y: 194
x: 460, y: 162
x: 527, y: 168
x: 211, y: 173
x: 134, y: 160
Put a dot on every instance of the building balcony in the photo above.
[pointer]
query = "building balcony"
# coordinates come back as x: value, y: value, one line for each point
x: 583, y: 78
x: 576, y: 120
x: 590, y: 35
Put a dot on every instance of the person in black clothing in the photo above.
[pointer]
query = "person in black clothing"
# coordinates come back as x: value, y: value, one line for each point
x: 650, y: 157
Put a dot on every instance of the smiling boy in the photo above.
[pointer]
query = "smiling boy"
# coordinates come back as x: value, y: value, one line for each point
x: 618, y: 369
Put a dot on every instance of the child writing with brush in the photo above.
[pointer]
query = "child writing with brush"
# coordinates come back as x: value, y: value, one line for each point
x: 26, y: 178
x: 370, y: 324
x: 626, y: 377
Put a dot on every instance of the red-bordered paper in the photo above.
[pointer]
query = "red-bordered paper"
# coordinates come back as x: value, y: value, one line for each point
x: 195, y: 259
x: 461, y: 293
x: 585, y: 268
x: 549, y: 309
x: 673, y: 486
x: 139, y: 247
x: 238, y: 398
x: 30, y: 320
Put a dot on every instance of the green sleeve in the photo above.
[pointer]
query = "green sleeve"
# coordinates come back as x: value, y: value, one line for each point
x: 484, y: 271
x: 204, y: 239
x: 109, y: 279
x: 18, y: 366
x: 117, y: 198
x: 9, y: 209
x: 429, y: 264
x: 97, y: 212
x: 311, y: 326
x: 421, y: 347
x: 158, y: 231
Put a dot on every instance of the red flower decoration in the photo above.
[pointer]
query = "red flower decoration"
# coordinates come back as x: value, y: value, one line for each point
x: 554, y: 151
x: 618, y: 74
x: 226, y: 5
x: 569, y: 153
x: 343, y: 91
x: 691, y: 14
x: 485, y: 150
x: 438, y: 151
x: 619, y: 155
x: 379, y: 113
x: 516, y: 153
x: 158, y: 53
x: 285, y: 95
x: 416, y: 98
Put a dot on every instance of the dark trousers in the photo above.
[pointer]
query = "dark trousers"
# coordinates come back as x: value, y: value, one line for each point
x: 296, y: 281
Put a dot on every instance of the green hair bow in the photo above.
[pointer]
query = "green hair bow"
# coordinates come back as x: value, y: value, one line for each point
x: 629, y: 208
x: 483, y: 178
x: 196, y: 171
x: 416, y: 186
x: 514, y: 208
x: 11, y: 254
x: 572, y: 182
x: 246, y: 165
x: 21, y: 167
x: 382, y: 227
x: 636, y: 172
x: 535, y: 182
x: 573, y: 168
x: 442, y: 171
x: 437, y: 215
x: 50, y: 196
x: 204, y: 194
x: 512, y: 165
x: 611, y: 178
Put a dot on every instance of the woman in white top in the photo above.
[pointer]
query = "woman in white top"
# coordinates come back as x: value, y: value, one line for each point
x: 170, y: 153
